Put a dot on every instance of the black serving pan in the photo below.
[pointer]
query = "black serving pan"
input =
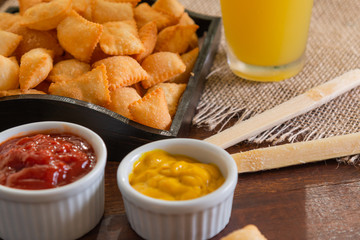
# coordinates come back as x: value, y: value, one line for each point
x: 120, y: 134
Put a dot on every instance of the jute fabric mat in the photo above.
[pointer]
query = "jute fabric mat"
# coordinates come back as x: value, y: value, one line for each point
x: 333, y: 48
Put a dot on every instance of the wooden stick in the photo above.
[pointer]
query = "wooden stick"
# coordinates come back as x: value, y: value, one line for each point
x: 294, y: 107
x: 297, y: 153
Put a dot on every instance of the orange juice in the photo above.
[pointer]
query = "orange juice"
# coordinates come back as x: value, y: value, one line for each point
x: 267, y: 37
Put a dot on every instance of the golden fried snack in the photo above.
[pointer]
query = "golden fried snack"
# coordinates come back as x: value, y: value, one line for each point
x: 79, y: 36
x: 133, y: 2
x: 139, y: 89
x: 9, y: 77
x: 118, y: 38
x: 7, y: 20
x: 121, y: 38
x: 194, y: 41
x: 189, y: 59
x: 152, y: 110
x: 162, y: 66
x: 26, y: 4
x: 173, y: 93
x: 98, y: 54
x: 68, y: 69
x: 175, y: 38
x: 148, y: 36
x: 122, y: 71
x: 80, y: 6
x: 87, y: 12
x: 35, y: 39
x: 12, y: 92
x: 103, y: 11
x: 35, y: 66
x: 9, y: 42
x: 171, y: 7
x: 144, y: 13
x: 185, y: 19
x: 46, y: 15
x: 90, y: 87
x: 43, y: 87
x: 249, y: 232
x: 121, y: 98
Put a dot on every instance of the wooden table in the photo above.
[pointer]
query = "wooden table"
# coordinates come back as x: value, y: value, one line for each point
x: 312, y: 201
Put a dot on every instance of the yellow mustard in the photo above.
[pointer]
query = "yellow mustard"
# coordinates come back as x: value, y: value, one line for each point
x: 161, y: 175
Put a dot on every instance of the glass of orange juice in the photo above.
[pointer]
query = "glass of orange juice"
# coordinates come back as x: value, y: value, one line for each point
x: 266, y: 39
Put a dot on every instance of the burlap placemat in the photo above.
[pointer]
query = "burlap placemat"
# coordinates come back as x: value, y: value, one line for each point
x: 333, y: 49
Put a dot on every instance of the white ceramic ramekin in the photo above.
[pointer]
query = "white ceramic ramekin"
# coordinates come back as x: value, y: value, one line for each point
x: 66, y: 212
x: 199, y: 218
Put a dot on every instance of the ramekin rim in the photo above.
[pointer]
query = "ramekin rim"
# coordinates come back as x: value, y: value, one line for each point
x: 210, y: 199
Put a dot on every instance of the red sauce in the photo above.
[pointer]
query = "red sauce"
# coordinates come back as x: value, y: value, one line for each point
x: 43, y: 161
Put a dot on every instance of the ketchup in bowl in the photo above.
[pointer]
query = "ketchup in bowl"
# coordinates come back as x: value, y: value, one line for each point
x: 43, y: 161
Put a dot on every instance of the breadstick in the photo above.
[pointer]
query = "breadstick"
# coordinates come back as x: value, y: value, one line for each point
x: 294, y: 107
x: 297, y: 153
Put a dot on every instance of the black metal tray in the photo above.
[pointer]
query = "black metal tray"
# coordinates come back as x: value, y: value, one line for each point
x: 120, y: 134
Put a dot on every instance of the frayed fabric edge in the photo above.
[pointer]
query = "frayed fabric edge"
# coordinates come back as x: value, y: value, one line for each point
x: 211, y: 116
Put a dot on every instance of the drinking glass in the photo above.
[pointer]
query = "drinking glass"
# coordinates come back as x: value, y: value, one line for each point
x: 266, y: 39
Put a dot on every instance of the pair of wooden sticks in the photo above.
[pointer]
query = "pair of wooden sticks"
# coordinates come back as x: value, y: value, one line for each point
x: 292, y: 153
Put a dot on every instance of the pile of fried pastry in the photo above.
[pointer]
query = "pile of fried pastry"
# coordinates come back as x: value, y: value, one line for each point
x: 130, y: 57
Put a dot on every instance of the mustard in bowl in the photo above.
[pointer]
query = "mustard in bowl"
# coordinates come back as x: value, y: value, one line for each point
x: 167, y: 176
x: 198, y: 217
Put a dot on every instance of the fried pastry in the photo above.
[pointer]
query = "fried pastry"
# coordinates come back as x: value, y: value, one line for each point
x: 46, y: 15
x: 121, y: 98
x: 43, y: 87
x: 68, y: 69
x: 170, y: 7
x: 26, y: 4
x: 144, y: 13
x: 35, y: 39
x: 98, y: 54
x: 194, y: 42
x: 185, y: 19
x: 175, y: 38
x: 122, y: 71
x: 139, y: 89
x: 80, y: 6
x: 152, y: 110
x: 133, y: 2
x: 118, y: 54
x: 12, y: 92
x: 249, y: 232
x: 90, y: 87
x: 9, y: 42
x: 173, y: 93
x: 9, y: 77
x: 148, y: 36
x: 79, y: 36
x: 7, y: 20
x: 87, y: 12
x: 121, y: 38
x: 189, y: 59
x: 103, y: 11
x: 35, y: 66
x: 162, y: 66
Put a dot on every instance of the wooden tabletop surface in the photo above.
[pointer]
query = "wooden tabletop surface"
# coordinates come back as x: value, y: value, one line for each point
x: 311, y: 201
